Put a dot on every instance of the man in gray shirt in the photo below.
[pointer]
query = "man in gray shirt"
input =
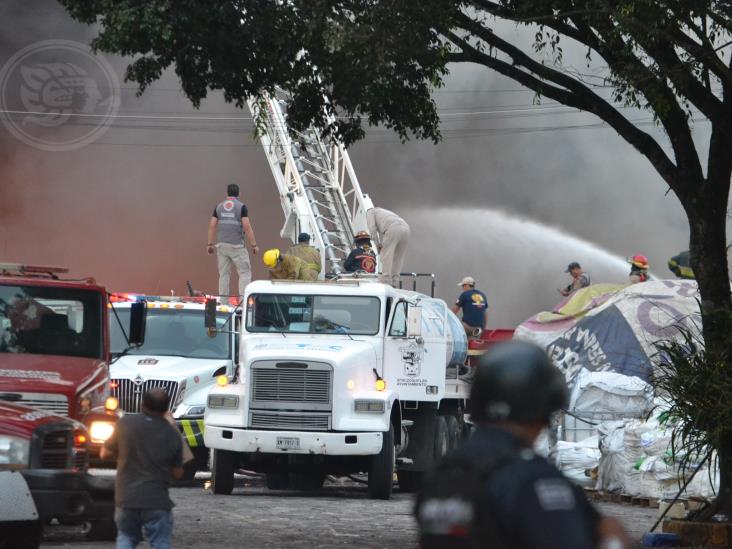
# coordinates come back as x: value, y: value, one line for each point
x: 227, y: 222
x: 149, y: 452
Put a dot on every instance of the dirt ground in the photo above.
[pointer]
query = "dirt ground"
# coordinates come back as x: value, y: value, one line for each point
x: 340, y: 515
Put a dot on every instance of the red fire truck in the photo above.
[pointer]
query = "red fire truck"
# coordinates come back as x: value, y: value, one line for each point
x: 54, y: 346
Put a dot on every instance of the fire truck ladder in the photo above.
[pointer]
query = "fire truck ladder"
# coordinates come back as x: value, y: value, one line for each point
x: 318, y: 188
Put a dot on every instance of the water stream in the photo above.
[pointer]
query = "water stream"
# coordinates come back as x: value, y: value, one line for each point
x: 517, y: 262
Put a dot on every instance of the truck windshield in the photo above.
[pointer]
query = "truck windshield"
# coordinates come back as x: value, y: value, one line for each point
x: 313, y: 314
x: 50, y: 321
x: 174, y: 332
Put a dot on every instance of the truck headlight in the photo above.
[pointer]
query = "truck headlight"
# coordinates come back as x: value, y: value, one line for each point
x: 375, y: 406
x: 223, y: 401
x: 194, y: 411
x: 14, y: 452
x: 100, y: 431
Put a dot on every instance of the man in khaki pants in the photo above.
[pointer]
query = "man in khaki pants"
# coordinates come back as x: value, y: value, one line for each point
x: 390, y: 233
x: 228, y: 220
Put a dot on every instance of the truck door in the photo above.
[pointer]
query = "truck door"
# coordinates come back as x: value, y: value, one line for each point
x: 414, y: 364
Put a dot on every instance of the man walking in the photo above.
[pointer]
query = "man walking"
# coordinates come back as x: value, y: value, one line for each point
x: 390, y: 233
x: 493, y: 491
x: 227, y: 221
x: 474, y: 305
x: 580, y: 279
x: 308, y: 254
x: 149, y: 452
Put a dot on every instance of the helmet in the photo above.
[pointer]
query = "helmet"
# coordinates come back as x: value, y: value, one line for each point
x: 639, y: 261
x: 361, y: 235
x: 271, y: 257
x: 516, y: 381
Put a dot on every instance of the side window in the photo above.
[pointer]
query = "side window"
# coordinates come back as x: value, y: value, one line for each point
x: 399, y: 322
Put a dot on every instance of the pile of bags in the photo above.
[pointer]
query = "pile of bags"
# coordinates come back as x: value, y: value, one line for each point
x: 637, y: 459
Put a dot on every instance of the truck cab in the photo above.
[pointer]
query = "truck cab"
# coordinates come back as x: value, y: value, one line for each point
x: 54, y: 347
x: 178, y: 356
x: 339, y: 377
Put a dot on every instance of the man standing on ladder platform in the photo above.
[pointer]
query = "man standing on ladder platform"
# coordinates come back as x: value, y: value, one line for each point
x: 227, y: 222
x: 390, y: 234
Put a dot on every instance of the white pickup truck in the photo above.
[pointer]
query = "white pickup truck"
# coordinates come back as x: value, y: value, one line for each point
x: 339, y: 377
x: 177, y: 356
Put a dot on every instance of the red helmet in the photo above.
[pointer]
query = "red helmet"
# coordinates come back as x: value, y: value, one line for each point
x: 639, y: 261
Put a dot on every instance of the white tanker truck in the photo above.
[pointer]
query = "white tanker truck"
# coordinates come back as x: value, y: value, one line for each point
x: 339, y: 377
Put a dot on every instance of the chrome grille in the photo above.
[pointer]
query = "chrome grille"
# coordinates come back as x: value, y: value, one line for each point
x: 289, y: 421
x: 291, y: 385
x: 56, y: 404
x: 56, y: 450
x: 129, y: 394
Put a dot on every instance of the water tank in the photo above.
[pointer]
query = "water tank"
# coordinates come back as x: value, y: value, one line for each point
x: 451, y: 328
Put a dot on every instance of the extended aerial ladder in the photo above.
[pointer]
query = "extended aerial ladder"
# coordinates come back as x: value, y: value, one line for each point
x: 318, y: 188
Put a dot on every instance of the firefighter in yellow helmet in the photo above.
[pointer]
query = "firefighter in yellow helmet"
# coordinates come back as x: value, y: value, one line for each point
x: 307, y: 253
x: 286, y: 266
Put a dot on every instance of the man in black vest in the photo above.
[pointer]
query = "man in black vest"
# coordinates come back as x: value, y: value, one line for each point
x: 493, y: 491
x: 228, y: 220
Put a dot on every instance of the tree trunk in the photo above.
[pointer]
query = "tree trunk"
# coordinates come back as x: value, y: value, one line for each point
x: 707, y: 213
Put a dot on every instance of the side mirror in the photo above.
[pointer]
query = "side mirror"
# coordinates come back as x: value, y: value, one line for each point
x: 414, y: 322
x: 138, y: 317
x: 209, y: 317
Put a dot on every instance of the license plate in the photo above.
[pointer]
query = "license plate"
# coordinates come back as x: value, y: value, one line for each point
x: 288, y: 443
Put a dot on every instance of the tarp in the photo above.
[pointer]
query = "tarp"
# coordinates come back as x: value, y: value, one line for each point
x: 614, y: 328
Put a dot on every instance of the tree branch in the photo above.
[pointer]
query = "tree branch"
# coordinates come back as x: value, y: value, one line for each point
x: 576, y: 95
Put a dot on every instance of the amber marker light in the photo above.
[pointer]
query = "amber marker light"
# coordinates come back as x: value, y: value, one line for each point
x: 79, y: 439
x: 111, y: 404
x: 222, y: 381
x: 350, y: 384
x: 380, y: 385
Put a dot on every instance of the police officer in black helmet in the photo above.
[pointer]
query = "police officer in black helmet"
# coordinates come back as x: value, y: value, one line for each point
x: 493, y: 491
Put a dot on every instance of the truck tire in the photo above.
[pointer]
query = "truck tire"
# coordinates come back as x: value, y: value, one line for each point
x: 277, y: 481
x: 442, y: 439
x: 222, y: 472
x: 381, y: 473
x: 307, y: 482
x: 454, y: 434
x: 409, y: 481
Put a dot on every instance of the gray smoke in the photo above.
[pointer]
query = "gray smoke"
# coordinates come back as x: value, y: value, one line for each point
x: 131, y: 209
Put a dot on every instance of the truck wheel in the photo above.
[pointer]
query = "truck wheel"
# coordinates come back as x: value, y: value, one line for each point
x: 102, y: 530
x: 25, y: 534
x: 381, y: 473
x: 222, y: 472
x: 307, y: 482
x: 409, y: 481
x: 277, y: 481
x: 441, y: 440
x: 453, y: 432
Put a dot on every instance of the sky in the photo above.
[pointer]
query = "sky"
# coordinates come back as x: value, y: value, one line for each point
x: 513, y: 193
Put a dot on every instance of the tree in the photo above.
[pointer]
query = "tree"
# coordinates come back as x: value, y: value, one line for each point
x: 378, y: 62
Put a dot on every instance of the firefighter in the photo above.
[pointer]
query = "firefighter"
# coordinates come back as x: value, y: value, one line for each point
x: 391, y: 235
x: 308, y: 254
x: 362, y: 258
x: 285, y: 266
x: 493, y: 490
x: 638, y: 269
x: 680, y: 265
